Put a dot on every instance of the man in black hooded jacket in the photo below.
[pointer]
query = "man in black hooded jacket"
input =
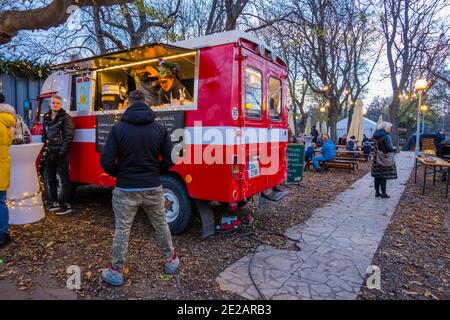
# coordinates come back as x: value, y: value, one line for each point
x: 131, y: 154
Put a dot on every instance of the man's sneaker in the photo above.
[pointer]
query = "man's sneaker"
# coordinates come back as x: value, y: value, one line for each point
x: 171, y: 265
x: 54, y: 206
x: 5, y: 239
x: 64, y: 209
x: 112, y: 277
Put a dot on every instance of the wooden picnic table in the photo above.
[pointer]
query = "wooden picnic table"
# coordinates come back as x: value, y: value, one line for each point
x: 440, y: 163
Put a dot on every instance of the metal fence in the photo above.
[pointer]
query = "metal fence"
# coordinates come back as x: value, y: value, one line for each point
x: 21, y: 94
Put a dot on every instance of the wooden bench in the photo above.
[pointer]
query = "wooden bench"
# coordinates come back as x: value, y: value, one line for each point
x: 349, y: 165
x: 357, y: 156
x: 347, y: 159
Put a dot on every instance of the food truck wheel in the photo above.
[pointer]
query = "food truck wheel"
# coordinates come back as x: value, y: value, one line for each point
x: 179, y: 206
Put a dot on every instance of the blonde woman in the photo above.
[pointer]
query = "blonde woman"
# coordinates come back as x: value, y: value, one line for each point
x: 383, y: 166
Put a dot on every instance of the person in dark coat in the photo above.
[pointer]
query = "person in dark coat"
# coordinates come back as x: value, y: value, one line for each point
x: 59, y: 130
x: 132, y: 154
x: 439, y: 136
x: 383, y: 165
x: 315, y: 134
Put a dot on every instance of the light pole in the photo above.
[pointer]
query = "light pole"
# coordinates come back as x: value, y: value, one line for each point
x: 423, y: 108
x: 420, y: 85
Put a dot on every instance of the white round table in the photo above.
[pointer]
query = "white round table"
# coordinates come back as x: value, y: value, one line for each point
x: 23, y: 196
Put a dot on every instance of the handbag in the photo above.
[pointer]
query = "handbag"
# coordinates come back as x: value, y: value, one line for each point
x: 21, y: 132
x: 385, y: 159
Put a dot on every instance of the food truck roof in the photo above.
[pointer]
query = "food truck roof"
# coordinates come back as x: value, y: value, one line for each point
x: 136, y: 55
x: 127, y: 57
x: 216, y: 39
x: 221, y: 38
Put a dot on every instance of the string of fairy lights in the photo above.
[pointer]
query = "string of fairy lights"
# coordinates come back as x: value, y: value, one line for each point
x: 24, y: 202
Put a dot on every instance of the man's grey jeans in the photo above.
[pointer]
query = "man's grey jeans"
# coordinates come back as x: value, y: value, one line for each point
x: 125, y: 206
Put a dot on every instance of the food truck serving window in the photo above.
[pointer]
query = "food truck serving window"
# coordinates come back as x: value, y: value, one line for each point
x: 253, y: 92
x: 274, y: 98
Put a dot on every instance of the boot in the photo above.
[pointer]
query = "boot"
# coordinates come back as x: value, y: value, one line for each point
x: 5, y: 239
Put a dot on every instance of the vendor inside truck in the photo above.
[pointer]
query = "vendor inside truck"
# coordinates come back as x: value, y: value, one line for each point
x: 166, y: 75
x: 171, y: 87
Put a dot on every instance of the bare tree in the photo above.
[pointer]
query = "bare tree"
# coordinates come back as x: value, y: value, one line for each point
x: 45, y: 17
x: 415, y: 45
x: 332, y: 43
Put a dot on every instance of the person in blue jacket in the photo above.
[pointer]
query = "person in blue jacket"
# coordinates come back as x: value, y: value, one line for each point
x: 351, y: 145
x: 327, y: 152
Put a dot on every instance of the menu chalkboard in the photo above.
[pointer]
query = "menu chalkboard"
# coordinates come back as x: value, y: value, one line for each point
x: 104, y: 124
x: 172, y: 120
x: 296, y: 159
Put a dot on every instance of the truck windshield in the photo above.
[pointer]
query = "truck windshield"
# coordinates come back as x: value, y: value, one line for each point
x: 45, y: 107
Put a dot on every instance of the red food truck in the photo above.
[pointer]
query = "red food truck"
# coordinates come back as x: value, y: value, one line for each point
x: 230, y: 135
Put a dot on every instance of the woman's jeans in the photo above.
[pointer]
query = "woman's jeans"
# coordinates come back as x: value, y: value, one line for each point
x: 380, y: 183
x: 4, y: 216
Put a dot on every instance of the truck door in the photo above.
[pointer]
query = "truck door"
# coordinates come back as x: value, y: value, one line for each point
x: 255, y: 120
x: 277, y: 125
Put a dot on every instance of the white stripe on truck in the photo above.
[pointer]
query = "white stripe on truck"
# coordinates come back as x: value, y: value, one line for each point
x: 206, y: 135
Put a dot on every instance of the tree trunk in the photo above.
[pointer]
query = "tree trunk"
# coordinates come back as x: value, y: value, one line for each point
x: 393, y: 118
x: 410, y: 125
x: 349, y: 117
x: 332, y: 123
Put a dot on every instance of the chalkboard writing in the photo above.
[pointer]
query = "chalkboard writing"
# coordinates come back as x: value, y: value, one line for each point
x: 104, y: 124
x: 172, y: 120
x: 296, y: 159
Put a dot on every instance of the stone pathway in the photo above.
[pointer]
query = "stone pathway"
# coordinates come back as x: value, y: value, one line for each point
x: 336, y: 247
x: 44, y: 289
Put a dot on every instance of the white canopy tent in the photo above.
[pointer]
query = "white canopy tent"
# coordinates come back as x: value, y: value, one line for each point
x: 357, y: 125
x: 369, y: 127
x: 308, y: 126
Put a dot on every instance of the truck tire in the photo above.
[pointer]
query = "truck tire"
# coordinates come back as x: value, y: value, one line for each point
x: 179, y: 206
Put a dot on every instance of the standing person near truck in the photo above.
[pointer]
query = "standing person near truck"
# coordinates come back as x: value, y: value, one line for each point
x: 131, y: 155
x: 57, y: 137
x: 7, y: 122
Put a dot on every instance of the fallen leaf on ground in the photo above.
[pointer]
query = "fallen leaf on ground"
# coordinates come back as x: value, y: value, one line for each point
x: 428, y: 294
x: 410, y: 293
x: 165, y: 277
x: 223, y: 286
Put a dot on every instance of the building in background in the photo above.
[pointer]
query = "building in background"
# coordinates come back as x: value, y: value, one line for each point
x: 21, y: 82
